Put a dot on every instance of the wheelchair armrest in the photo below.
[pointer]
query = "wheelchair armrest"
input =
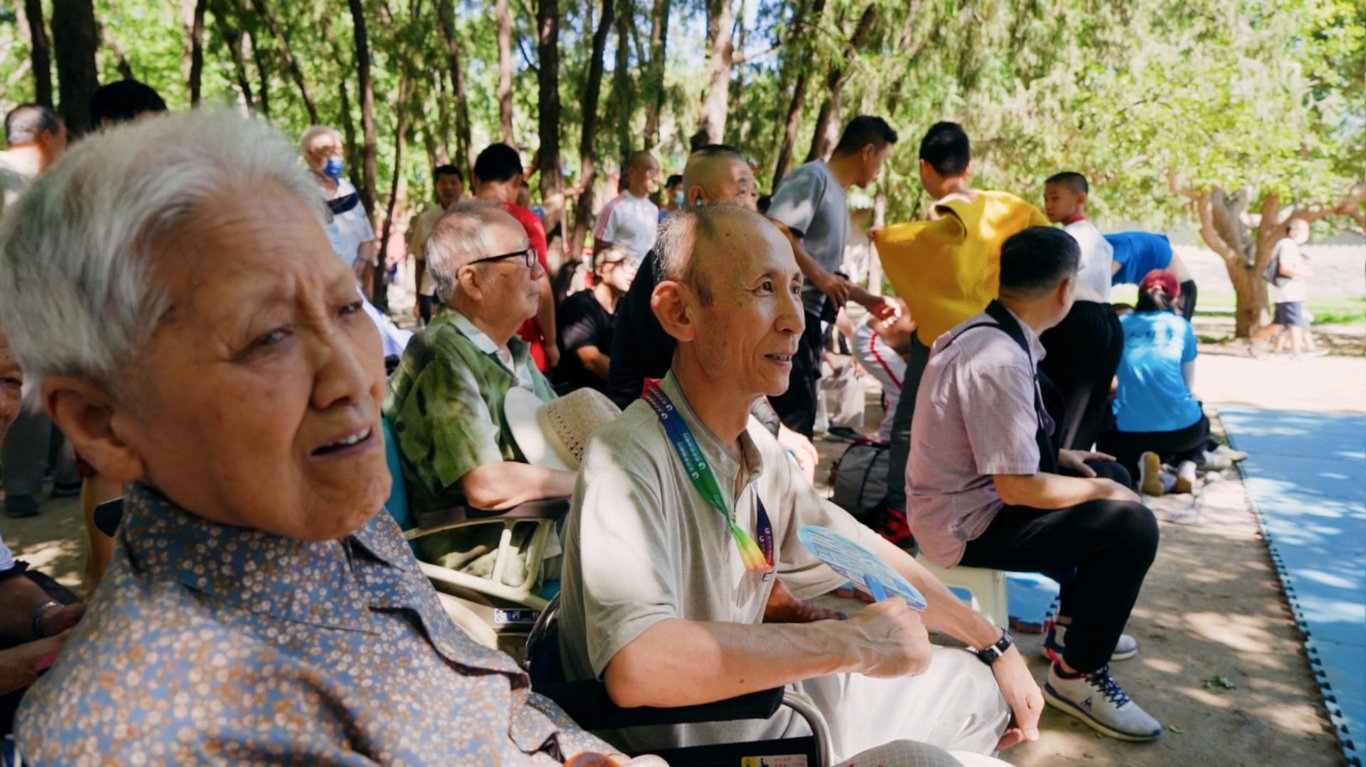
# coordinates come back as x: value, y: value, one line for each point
x: 588, y: 704
x: 443, y: 519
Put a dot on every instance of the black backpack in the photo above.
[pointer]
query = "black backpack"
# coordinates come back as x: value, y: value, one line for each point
x: 858, y: 479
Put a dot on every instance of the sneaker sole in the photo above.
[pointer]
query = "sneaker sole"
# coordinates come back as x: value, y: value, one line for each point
x: 1067, y: 707
x: 1150, y: 473
x: 1051, y: 655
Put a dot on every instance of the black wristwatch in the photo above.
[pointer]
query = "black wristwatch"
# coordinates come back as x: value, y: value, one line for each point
x: 990, y: 654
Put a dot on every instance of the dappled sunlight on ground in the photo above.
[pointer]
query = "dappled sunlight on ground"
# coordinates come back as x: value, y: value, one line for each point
x: 1221, y: 662
x: 52, y: 542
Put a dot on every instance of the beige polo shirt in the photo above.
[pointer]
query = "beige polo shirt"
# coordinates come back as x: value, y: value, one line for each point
x: 642, y: 546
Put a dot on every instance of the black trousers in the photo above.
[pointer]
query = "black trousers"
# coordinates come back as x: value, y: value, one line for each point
x: 900, y: 450
x: 1186, y: 444
x: 1187, y: 299
x: 797, y: 406
x: 1083, y: 355
x: 1100, y: 551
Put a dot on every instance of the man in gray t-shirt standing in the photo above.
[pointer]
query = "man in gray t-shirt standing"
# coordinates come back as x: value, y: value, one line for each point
x: 809, y: 207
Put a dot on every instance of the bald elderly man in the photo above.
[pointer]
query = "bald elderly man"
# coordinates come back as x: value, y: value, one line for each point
x: 684, y: 518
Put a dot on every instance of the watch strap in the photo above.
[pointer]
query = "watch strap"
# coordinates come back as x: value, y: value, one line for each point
x: 991, y: 653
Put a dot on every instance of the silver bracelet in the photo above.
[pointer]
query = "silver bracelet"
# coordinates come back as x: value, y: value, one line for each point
x: 38, y: 614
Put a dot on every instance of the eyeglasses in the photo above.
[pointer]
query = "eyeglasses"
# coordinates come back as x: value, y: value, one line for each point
x: 528, y: 257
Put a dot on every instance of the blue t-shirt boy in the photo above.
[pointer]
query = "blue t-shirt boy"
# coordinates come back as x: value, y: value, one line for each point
x: 1138, y: 253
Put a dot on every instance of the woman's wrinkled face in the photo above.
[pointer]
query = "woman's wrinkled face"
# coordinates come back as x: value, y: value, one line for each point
x: 258, y: 403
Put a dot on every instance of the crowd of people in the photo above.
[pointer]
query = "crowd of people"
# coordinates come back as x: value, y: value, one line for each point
x: 183, y: 298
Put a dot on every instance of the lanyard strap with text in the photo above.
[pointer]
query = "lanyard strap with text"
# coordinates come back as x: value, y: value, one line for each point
x: 756, y: 556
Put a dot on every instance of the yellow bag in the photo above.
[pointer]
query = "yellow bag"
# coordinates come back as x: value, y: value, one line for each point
x: 949, y: 269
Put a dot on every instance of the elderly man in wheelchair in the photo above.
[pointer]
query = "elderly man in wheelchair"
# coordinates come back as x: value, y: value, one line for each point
x: 685, y: 518
x: 448, y: 409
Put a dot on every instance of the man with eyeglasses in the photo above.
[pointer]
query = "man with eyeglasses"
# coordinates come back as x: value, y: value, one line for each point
x: 445, y: 400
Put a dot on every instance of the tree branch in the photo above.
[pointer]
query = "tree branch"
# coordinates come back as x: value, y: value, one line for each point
x: 1179, y: 190
x: 1349, y: 205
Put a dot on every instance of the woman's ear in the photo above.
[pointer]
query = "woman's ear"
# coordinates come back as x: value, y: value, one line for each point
x: 97, y: 426
x: 672, y: 305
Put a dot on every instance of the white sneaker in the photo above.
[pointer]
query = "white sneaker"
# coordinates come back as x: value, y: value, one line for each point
x: 1185, y: 477
x: 1230, y: 453
x: 1055, y: 641
x: 1097, y: 700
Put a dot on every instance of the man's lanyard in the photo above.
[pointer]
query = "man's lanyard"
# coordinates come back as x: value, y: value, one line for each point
x: 756, y: 556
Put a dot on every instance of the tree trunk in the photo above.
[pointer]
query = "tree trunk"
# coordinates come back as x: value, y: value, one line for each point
x: 400, y: 127
x: 120, y: 61
x: 827, y: 122
x: 366, y: 89
x: 192, y: 34
x: 548, y: 123
x: 446, y: 25
x: 291, y: 65
x: 443, y: 119
x: 263, y: 75
x: 39, y: 50
x: 720, y: 59
x: 622, y: 97
x: 503, y: 19
x: 592, y: 88
x: 75, y: 39
x: 348, y: 123
x: 654, y: 72
x: 797, y: 65
x: 909, y: 50
x: 235, y: 39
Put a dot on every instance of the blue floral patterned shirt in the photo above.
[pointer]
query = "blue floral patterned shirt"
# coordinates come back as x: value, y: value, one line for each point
x: 211, y: 644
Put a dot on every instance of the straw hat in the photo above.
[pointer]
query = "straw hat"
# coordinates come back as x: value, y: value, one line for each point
x: 553, y: 434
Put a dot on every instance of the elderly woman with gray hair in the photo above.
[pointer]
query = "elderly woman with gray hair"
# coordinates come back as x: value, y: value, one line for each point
x: 171, y: 292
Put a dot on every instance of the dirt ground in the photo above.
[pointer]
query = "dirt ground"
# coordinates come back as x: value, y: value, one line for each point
x: 1212, y: 607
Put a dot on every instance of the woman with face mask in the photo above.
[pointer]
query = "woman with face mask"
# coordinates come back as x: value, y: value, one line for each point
x: 350, y: 232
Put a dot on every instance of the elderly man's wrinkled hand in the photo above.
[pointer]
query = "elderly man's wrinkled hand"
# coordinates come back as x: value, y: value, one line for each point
x: 1022, y: 695
x: 890, y: 639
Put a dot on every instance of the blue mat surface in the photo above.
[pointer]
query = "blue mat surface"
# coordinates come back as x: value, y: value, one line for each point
x: 1306, y: 473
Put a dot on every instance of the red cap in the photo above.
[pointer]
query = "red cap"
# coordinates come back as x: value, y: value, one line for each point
x: 1159, y: 278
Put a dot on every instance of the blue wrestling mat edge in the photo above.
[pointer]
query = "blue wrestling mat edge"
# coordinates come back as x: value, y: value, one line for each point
x: 1282, y: 495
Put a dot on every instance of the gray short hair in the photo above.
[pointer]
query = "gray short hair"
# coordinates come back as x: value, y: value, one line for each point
x: 312, y: 132
x: 459, y: 237
x: 678, y: 239
x: 78, y: 249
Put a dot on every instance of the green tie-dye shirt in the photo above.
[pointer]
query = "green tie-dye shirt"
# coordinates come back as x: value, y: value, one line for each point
x: 445, y: 405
